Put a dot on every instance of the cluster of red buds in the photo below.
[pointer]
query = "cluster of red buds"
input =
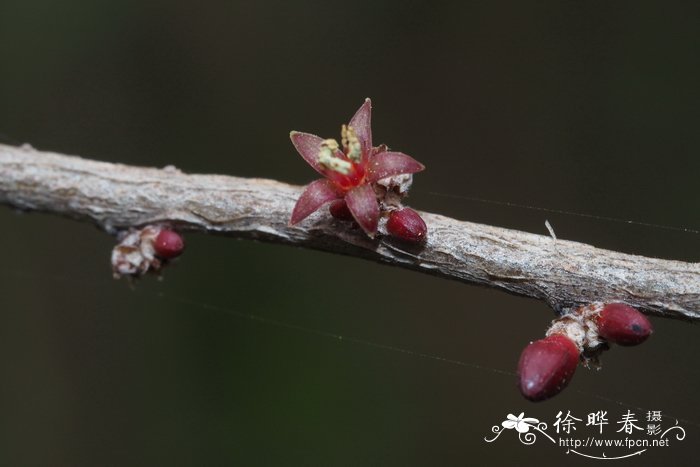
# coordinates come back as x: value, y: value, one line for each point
x: 363, y: 183
x: 146, y: 249
x: 546, y: 366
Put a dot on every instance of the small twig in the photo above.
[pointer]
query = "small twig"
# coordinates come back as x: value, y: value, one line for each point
x: 550, y: 229
x: 117, y: 197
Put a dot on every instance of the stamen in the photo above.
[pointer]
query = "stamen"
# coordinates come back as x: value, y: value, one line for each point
x: 328, y: 160
x: 351, y: 144
x: 330, y: 144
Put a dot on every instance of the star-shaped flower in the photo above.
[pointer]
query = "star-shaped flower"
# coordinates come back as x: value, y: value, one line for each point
x: 350, y: 170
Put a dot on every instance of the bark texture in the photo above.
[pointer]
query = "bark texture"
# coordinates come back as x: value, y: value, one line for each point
x: 562, y: 273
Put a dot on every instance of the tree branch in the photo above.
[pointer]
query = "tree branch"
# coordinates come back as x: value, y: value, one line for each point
x: 562, y: 273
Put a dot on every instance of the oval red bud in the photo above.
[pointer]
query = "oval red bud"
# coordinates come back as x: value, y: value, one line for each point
x: 339, y: 209
x: 405, y: 224
x: 168, y: 244
x: 623, y: 325
x: 546, y: 366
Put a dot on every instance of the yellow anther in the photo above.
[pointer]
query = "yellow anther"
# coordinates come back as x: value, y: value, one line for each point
x: 351, y: 143
x: 328, y: 160
x: 330, y: 144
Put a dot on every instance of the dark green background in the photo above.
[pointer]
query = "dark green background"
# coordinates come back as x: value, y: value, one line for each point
x: 583, y: 106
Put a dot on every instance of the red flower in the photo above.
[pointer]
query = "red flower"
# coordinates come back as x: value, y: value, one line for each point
x: 350, y: 170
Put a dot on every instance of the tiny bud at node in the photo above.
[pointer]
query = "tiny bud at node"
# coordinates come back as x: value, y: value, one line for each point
x: 405, y: 224
x: 623, y: 325
x: 168, y: 244
x: 546, y: 366
x: 339, y: 209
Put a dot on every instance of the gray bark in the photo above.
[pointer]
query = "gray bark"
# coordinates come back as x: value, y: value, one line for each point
x: 562, y: 273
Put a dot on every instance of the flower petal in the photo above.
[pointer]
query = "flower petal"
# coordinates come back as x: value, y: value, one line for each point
x: 308, y: 146
x: 508, y: 424
x: 316, y: 194
x: 522, y: 427
x: 361, y: 122
x: 388, y: 164
x: 363, y: 205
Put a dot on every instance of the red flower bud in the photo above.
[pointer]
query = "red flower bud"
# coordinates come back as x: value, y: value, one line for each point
x: 407, y: 225
x: 168, y: 244
x: 339, y: 209
x: 546, y: 366
x: 623, y: 325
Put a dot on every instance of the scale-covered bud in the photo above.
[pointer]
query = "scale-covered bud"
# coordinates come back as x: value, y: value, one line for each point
x: 546, y: 366
x: 339, y: 209
x: 168, y: 244
x: 405, y: 224
x: 623, y: 325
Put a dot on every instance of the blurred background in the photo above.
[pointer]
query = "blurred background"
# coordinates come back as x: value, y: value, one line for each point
x: 587, y: 107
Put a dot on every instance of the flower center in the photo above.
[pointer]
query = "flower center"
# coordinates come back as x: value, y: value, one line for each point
x: 345, y: 167
x: 328, y: 159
